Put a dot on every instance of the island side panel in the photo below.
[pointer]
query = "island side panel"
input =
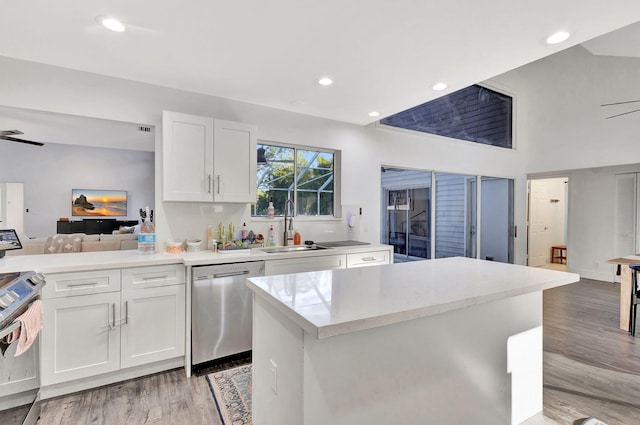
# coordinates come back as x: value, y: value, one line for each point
x: 449, y: 368
x: 276, y: 339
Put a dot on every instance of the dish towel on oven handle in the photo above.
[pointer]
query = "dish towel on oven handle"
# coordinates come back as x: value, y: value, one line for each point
x: 30, y: 325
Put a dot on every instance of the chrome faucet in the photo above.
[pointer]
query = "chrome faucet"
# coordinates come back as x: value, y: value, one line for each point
x: 288, y: 231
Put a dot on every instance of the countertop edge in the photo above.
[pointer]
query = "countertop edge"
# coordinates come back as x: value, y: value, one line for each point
x: 364, y: 323
x: 299, y: 320
x: 101, y: 260
x: 432, y: 310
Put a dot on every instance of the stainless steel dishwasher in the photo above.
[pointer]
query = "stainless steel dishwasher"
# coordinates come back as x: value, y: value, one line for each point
x: 221, y: 310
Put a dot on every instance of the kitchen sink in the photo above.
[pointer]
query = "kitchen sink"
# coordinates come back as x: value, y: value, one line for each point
x: 296, y: 248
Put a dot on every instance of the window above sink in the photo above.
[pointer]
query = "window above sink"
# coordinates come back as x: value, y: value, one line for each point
x: 306, y: 175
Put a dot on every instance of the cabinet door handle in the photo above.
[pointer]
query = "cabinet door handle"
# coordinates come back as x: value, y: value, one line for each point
x: 218, y: 190
x: 112, y: 324
x: 368, y: 258
x: 163, y: 277
x: 126, y: 312
x: 77, y: 285
x: 209, y: 183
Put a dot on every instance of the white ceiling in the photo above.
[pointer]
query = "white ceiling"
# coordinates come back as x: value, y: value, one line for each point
x: 382, y: 55
x: 622, y: 42
x: 49, y: 127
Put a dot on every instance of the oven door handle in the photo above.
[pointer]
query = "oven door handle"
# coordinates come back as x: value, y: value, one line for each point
x: 7, y: 330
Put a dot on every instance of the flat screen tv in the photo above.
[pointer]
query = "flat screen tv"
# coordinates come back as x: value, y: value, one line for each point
x: 8, y: 240
x: 98, y: 203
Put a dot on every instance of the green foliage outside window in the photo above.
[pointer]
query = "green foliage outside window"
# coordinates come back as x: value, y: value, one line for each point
x: 303, y: 175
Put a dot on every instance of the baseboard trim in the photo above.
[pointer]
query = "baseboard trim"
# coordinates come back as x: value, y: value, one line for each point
x: 595, y: 275
x: 109, y: 378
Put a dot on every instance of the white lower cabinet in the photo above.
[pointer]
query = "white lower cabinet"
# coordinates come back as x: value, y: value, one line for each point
x: 370, y: 258
x: 154, y: 325
x: 89, y: 335
x: 328, y: 262
x: 78, y: 337
x: 306, y: 264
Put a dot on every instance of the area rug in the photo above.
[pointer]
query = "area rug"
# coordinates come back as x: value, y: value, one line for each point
x: 589, y: 421
x: 232, y: 391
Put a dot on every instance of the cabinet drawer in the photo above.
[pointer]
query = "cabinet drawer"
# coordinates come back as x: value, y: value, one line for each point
x: 154, y: 276
x: 367, y: 259
x: 81, y: 283
x: 306, y: 264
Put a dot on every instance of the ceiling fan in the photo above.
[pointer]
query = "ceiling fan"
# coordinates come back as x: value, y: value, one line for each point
x: 622, y: 103
x: 6, y: 135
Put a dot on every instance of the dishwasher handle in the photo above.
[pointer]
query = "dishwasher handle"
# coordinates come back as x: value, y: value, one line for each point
x: 231, y: 274
x: 247, y: 273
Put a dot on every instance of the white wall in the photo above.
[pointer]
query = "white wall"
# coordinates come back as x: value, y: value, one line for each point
x: 564, y: 126
x: 51, y: 171
x: 565, y: 132
x: 364, y: 149
x: 592, y: 219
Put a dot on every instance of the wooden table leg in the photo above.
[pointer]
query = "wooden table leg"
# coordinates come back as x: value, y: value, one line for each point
x: 625, y: 296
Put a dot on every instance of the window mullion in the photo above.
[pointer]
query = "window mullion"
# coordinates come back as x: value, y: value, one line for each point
x: 295, y: 183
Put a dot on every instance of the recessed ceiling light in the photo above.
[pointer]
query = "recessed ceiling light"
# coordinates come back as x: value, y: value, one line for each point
x: 111, y: 23
x: 558, y: 37
x: 374, y: 113
x: 325, y: 81
x: 439, y: 86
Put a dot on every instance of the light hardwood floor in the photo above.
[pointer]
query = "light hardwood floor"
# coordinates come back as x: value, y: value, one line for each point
x: 168, y: 398
x: 591, y: 368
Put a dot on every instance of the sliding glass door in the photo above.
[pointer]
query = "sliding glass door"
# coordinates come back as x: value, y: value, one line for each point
x: 406, y: 213
x: 437, y: 215
x: 496, y: 220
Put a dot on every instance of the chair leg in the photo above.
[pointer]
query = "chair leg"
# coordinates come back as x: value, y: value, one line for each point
x: 632, y: 320
x: 632, y: 325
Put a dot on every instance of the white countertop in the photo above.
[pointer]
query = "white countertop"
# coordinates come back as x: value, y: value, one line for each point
x: 71, y: 262
x: 336, y: 302
x: 79, y: 261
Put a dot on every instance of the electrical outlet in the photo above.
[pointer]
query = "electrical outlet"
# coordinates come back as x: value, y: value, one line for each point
x: 274, y: 377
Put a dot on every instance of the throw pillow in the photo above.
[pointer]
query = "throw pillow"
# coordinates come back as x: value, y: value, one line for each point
x: 63, y: 243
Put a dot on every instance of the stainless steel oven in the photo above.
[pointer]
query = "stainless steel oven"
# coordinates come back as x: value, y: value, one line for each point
x: 19, y: 375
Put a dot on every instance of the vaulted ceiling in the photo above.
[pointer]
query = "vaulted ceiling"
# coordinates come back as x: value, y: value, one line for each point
x: 382, y: 55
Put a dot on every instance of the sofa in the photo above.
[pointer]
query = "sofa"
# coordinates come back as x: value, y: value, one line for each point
x: 76, y: 242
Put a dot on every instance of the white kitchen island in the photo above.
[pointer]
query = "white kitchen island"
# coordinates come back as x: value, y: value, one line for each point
x: 447, y: 341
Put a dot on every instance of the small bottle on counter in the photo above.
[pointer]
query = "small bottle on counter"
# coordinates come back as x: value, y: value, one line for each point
x: 147, y: 236
x: 297, y: 238
x: 244, y: 232
x: 271, y: 238
x: 270, y: 208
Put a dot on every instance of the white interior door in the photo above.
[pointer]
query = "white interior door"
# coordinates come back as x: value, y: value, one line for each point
x: 12, y: 207
x: 537, y: 224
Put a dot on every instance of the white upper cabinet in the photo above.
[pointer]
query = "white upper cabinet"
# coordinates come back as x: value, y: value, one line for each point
x: 207, y: 160
x: 234, y: 161
x: 187, y: 157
